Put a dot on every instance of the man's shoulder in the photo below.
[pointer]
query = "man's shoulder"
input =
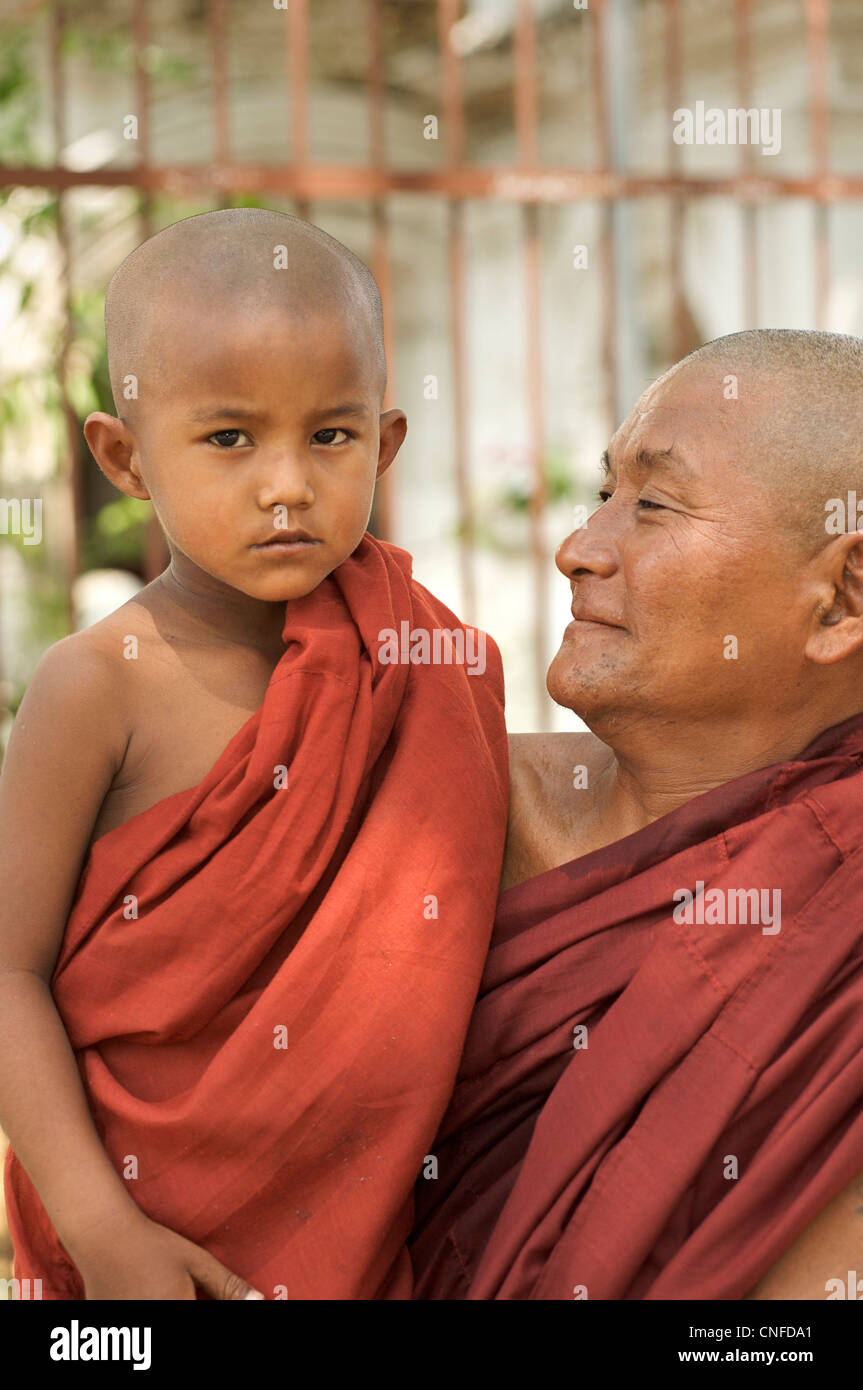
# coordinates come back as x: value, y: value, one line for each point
x: 543, y: 810
x: 540, y: 760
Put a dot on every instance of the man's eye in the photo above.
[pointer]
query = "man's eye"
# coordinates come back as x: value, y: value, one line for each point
x: 603, y: 496
x: 318, y: 434
x: 227, y: 438
x: 653, y: 506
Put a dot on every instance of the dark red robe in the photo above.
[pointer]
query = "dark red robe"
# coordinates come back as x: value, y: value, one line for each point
x: 717, y: 1105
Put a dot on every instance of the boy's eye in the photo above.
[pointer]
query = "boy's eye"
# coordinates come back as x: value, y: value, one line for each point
x: 227, y: 438
x: 318, y: 433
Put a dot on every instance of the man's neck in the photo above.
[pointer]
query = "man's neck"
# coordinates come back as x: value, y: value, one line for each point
x: 646, y: 777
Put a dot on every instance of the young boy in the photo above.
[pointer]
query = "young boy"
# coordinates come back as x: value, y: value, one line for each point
x: 249, y: 862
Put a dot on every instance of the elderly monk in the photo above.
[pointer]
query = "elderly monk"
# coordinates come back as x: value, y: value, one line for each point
x: 661, y: 1094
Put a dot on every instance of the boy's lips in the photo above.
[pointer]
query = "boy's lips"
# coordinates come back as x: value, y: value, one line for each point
x: 287, y: 540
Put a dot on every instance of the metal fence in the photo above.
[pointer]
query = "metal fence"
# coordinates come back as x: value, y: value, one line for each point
x: 527, y: 183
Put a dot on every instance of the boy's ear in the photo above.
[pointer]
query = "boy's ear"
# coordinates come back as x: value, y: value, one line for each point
x: 839, y: 629
x: 394, y: 427
x: 112, y: 445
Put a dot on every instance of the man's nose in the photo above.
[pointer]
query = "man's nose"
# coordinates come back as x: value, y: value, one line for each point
x: 286, y: 481
x: 590, y: 547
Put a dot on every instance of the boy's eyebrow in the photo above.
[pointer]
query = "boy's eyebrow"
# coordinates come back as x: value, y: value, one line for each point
x: 239, y: 412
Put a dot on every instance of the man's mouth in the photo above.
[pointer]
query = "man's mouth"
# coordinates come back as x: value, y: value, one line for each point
x: 581, y: 615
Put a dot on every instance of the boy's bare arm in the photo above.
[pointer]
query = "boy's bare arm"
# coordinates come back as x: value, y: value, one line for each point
x: 66, y: 746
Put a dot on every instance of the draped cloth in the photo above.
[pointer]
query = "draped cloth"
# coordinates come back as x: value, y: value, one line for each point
x: 267, y: 978
x: 650, y: 1107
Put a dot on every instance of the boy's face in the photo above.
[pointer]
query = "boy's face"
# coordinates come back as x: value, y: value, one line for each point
x: 261, y: 443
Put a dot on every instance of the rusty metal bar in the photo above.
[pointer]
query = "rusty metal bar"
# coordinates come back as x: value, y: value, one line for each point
x: 343, y: 182
x: 219, y: 68
x: 70, y: 467
x: 743, y: 65
x: 155, y: 546
x: 817, y: 36
x: 673, y: 67
x: 607, y: 249
x: 295, y: 175
x: 526, y: 121
x: 453, y: 128
x: 384, y: 491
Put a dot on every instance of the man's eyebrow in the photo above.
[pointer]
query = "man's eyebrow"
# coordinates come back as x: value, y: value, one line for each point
x: 646, y: 459
x: 663, y: 458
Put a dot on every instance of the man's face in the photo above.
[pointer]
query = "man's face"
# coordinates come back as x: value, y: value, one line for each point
x: 262, y: 424
x: 686, y: 567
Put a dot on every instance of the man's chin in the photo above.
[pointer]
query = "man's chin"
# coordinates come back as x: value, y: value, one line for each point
x: 565, y: 685
x: 572, y: 686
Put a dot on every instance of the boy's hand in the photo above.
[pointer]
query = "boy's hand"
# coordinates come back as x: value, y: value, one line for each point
x: 151, y: 1262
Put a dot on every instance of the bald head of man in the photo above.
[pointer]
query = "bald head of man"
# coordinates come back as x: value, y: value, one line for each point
x: 247, y: 364
x: 711, y: 599
x: 792, y: 402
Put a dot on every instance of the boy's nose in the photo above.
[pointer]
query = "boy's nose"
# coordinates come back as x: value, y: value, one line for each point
x: 287, y: 483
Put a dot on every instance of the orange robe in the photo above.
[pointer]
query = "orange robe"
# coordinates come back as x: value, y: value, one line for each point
x: 267, y: 978
x: 657, y: 1097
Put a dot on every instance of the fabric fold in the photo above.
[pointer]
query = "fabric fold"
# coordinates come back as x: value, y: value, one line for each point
x: 652, y: 1105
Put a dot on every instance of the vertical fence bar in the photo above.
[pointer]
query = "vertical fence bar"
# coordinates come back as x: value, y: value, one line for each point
x: 526, y: 122
x: 155, y: 547
x: 453, y: 125
x: 297, y: 39
x: 219, y: 70
x: 680, y: 343
x: 381, y: 263
x: 607, y: 235
x: 817, y: 29
x: 70, y: 464
x: 142, y: 108
x: 743, y: 66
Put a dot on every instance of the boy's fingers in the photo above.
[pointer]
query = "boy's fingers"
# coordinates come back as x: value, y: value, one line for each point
x: 217, y: 1281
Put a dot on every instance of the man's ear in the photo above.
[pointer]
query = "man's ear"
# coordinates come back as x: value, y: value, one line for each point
x: 113, y: 446
x: 394, y: 427
x: 839, y: 628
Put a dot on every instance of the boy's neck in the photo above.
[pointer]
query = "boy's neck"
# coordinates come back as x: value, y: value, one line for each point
x: 210, y: 608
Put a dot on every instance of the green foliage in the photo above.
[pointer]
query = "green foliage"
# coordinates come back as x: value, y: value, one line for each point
x: 18, y: 96
x: 116, y: 536
x: 558, y: 484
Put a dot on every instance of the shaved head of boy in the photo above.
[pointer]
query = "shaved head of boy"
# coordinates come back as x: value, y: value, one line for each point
x: 247, y: 364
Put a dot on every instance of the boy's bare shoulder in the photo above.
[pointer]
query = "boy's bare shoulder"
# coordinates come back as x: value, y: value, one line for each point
x: 81, y: 681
